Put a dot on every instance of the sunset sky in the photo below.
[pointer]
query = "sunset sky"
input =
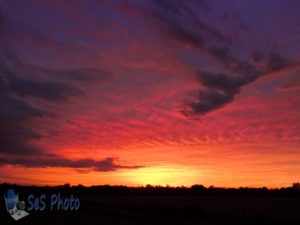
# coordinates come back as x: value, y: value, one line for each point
x: 150, y: 92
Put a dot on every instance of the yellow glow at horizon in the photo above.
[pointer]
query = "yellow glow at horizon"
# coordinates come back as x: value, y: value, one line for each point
x: 166, y: 175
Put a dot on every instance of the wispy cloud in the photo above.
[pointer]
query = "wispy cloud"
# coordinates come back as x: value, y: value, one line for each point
x: 20, y: 85
x: 179, y: 20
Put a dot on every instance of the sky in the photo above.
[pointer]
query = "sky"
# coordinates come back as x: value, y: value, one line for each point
x: 150, y: 92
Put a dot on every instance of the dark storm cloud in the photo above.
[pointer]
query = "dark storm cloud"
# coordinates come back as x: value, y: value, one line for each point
x: 21, y: 83
x: 107, y: 164
x: 181, y: 20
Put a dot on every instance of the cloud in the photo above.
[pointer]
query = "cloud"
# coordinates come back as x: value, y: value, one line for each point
x: 104, y: 165
x: 47, y: 90
x: 210, y: 99
x: 15, y: 117
x: 222, y: 81
x: 85, y: 75
x: 181, y: 21
x: 21, y: 84
x: 276, y: 62
x: 291, y: 86
x: 219, y: 89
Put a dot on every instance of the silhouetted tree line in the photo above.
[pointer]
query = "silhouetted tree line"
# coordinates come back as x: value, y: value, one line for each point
x: 151, y: 190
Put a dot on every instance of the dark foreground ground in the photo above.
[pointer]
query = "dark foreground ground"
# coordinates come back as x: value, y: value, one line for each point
x: 107, y: 205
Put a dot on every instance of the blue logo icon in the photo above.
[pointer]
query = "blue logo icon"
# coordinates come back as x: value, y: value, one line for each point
x: 14, y: 206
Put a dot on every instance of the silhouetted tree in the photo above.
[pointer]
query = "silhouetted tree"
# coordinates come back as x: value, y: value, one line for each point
x: 198, y: 187
x: 296, y: 186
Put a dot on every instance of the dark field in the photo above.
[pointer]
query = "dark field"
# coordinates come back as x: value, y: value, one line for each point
x: 137, y: 206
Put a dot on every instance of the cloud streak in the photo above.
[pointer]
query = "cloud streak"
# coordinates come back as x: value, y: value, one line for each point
x: 179, y: 21
x: 104, y: 165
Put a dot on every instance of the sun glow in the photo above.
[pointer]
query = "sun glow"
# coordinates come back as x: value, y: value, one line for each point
x: 166, y: 175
